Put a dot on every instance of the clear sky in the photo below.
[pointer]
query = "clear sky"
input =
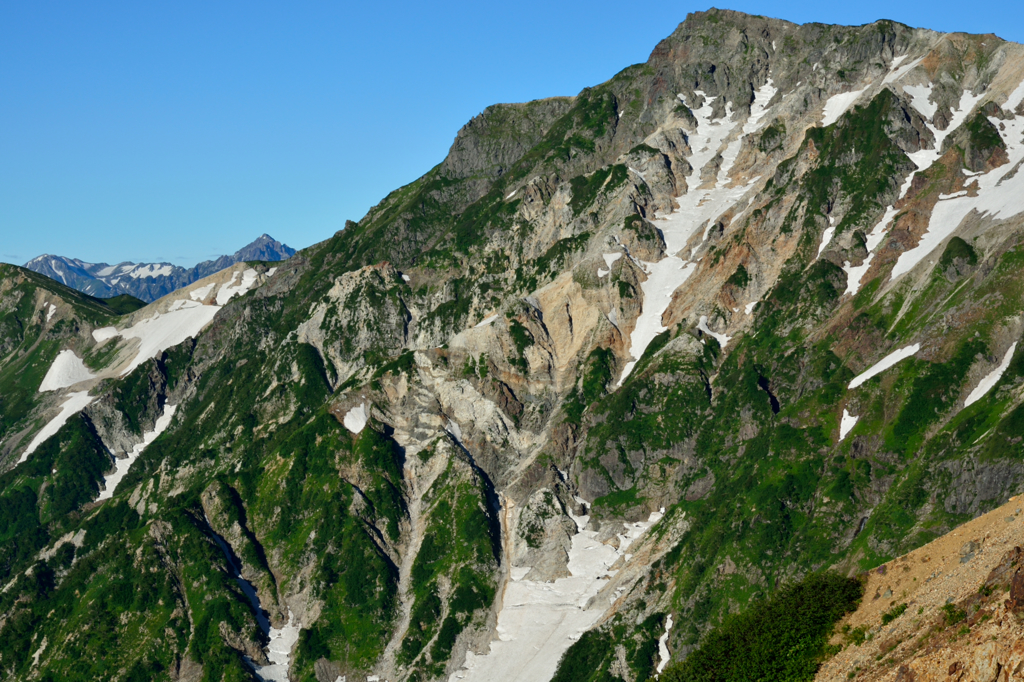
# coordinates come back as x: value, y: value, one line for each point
x: 177, y: 131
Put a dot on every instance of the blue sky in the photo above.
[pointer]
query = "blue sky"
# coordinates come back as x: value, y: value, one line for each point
x: 163, y: 131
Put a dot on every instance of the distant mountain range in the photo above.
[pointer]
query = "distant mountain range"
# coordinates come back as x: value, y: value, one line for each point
x: 148, y: 281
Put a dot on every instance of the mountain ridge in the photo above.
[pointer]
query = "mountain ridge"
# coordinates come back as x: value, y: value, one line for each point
x: 149, y: 281
x: 630, y: 360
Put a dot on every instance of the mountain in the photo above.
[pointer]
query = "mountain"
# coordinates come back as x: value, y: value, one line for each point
x: 622, y: 365
x: 148, y: 281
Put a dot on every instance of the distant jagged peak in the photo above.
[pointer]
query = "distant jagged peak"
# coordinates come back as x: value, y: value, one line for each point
x: 149, y: 281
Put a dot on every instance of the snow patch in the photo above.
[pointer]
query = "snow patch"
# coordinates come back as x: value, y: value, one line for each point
x: 151, y: 271
x: 885, y: 363
x: 51, y: 312
x: 227, y: 291
x: 610, y: 258
x: 846, y: 424
x: 663, y: 653
x: 538, y: 621
x: 279, y: 650
x: 355, y: 419
x: 75, y: 403
x: 894, y: 76
x: 121, y: 466
x: 826, y: 237
x: 697, y: 208
x: 511, y: 195
x: 67, y: 370
x: 855, y: 273
x: 104, y: 334
x: 406, y: 278
x: 1015, y: 98
x: 201, y: 293
x: 837, y: 105
x: 702, y: 325
x: 920, y: 99
x: 991, y: 379
x: 271, y: 271
x: 749, y: 308
x: 160, y: 332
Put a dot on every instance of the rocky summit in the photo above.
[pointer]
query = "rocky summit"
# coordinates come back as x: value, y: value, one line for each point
x: 694, y: 346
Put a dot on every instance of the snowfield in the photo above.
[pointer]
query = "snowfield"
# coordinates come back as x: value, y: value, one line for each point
x: 538, y: 621
x: 67, y: 370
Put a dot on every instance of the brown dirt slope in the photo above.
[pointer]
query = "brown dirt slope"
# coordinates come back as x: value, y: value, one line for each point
x: 964, y: 615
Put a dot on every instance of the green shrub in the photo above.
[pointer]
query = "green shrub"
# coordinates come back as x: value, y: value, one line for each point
x: 781, y: 638
x: 893, y: 613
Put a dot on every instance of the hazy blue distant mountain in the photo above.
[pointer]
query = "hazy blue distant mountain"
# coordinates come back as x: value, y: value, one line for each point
x: 148, y: 281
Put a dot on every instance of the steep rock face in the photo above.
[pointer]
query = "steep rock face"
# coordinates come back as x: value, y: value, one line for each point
x: 745, y: 311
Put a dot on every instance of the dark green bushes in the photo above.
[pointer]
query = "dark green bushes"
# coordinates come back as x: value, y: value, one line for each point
x: 783, y: 638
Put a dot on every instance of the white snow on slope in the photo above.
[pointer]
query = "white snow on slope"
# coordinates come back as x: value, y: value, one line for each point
x: 271, y: 271
x: 899, y: 73
x: 67, y: 370
x: 855, y: 273
x: 920, y: 99
x: 885, y: 363
x: 664, y: 655
x: 924, y: 158
x: 1015, y: 98
x: 696, y: 209
x: 51, y: 312
x: 663, y: 278
x: 162, y: 331
x: 278, y: 651
x: 826, y: 236
x: 538, y: 621
x: 991, y: 379
x: 151, y: 271
x: 227, y: 291
x: 200, y: 293
x: 996, y: 198
x: 847, y: 424
x: 105, y: 333
x: 837, y: 105
x: 75, y: 403
x: 121, y: 466
x: 355, y: 419
x: 749, y: 308
x: 610, y: 258
x: 703, y: 326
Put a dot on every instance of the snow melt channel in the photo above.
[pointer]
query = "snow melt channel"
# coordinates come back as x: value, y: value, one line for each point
x: 121, y: 466
x: 538, y: 621
x: 282, y: 640
x: 697, y: 208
